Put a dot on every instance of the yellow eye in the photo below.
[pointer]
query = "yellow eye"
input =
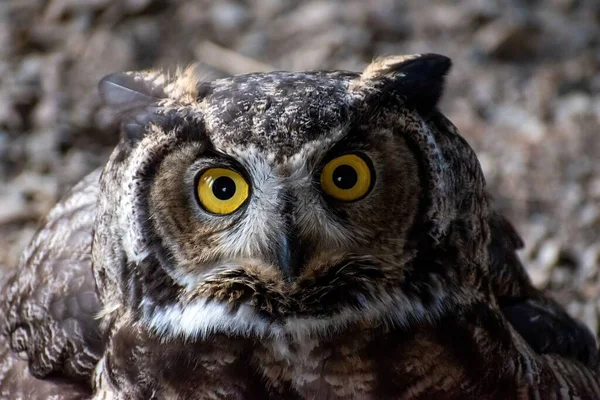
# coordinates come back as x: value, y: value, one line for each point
x: 346, y: 178
x: 222, y: 191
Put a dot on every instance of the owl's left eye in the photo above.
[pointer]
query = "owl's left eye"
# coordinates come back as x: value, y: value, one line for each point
x: 347, y: 178
x: 221, y: 190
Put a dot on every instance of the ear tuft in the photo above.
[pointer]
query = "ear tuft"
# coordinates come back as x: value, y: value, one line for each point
x: 125, y: 91
x: 132, y: 96
x: 418, y: 79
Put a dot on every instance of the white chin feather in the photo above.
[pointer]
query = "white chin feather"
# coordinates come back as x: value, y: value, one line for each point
x: 201, y: 318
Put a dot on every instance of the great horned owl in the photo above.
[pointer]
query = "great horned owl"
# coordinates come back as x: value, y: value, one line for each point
x: 285, y: 235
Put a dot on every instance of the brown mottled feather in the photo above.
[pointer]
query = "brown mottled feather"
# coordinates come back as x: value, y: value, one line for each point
x: 543, y: 323
x: 50, y: 303
x: 414, y: 293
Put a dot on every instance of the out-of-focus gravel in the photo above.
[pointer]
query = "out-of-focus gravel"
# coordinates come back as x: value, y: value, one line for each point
x: 524, y: 90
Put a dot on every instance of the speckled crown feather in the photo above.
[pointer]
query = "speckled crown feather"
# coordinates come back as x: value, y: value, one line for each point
x: 394, y: 84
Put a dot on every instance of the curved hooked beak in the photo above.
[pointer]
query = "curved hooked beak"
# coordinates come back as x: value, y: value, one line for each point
x: 289, y: 255
x: 290, y: 251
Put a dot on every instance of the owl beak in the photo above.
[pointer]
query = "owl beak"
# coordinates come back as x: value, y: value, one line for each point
x: 289, y: 256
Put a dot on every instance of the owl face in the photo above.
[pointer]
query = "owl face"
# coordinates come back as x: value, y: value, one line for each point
x: 283, y: 203
x: 254, y: 203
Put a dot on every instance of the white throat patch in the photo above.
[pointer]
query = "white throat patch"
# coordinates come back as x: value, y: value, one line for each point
x: 201, y: 318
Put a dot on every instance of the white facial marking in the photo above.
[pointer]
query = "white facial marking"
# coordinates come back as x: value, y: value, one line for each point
x: 201, y: 318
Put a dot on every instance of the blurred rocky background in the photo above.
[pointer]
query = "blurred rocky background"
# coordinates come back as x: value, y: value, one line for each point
x: 524, y: 90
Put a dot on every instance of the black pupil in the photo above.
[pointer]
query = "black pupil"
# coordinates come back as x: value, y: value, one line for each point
x: 223, y: 188
x: 345, y: 177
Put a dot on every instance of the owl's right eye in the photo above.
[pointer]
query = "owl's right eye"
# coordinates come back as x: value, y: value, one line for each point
x: 221, y: 190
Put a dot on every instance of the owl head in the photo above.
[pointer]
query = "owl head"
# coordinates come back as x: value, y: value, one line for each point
x: 287, y: 203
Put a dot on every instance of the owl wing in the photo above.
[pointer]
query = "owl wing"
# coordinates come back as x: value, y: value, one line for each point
x: 16, y: 382
x: 542, y: 322
x: 50, y: 341
x: 472, y: 353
